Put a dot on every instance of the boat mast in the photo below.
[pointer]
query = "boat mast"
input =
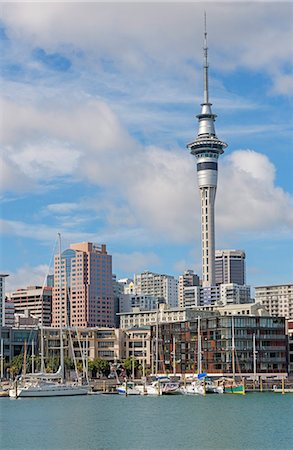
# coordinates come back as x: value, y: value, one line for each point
x: 254, y: 358
x: 24, y: 361
x: 2, y: 359
x: 174, y: 356
x: 61, y: 333
x: 199, y: 368
x: 233, y: 348
x: 33, y: 356
x: 157, y: 338
x: 42, y: 336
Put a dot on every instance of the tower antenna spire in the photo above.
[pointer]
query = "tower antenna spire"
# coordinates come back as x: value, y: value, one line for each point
x: 206, y: 65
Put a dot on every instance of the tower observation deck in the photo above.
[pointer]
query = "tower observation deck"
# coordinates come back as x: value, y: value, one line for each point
x: 207, y: 148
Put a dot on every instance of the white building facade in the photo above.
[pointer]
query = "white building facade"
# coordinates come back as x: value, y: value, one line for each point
x: 277, y: 299
x: 157, y: 285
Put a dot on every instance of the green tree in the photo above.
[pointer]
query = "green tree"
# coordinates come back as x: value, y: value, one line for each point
x: 128, y: 365
x: 52, y: 364
x: 16, y: 365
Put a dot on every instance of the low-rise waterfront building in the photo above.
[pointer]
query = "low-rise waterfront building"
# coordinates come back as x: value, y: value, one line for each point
x: 216, y: 346
x: 290, y: 345
x: 137, y: 345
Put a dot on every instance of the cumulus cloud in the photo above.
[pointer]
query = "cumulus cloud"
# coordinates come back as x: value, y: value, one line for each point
x: 261, y: 34
x: 248, y: 198
x: 135, y: 262
x: 27, y: 276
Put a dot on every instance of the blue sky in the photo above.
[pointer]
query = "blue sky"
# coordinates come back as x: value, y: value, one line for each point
x: 98, y: 103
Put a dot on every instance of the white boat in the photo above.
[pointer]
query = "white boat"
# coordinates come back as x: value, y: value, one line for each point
x: 194, y: 388
x: 42, y: 388
x: 212, y: 388
x: 154, y: 389
x: 128, y: 388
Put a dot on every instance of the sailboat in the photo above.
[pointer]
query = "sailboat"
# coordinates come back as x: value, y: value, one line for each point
x: 233, y: 386
x: 44, y: 384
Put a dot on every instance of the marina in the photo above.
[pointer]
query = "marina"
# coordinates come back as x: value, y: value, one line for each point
x: 253, y: 421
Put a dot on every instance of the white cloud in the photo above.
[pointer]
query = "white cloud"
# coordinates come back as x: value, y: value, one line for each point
x: 135, y: 262
x: 260, y: 32
x: 27, y: 276
x: 248, y: 199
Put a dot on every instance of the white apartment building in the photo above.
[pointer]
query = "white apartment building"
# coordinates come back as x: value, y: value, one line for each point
x: 127, y: 285
x: 157, y: 285
x: 143, y: 302
x: 277, y: 299
x: 187, y: 279
x: 232, y: 293
x: 191, y: 296
x: 224, y: 294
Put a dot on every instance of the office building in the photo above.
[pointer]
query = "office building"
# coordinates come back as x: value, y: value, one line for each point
x: 37, y: 300
x: 277, y: 299
x: 86, y: 282
x: 230, y: 267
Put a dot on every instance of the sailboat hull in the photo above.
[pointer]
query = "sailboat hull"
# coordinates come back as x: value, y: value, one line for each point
x: 52, y: 390
x: 235, y: 389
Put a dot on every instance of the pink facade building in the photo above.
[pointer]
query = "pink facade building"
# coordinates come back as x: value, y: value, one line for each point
x: 85, y: 279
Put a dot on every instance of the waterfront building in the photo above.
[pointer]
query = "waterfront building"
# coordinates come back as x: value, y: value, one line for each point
x: 230, y: 267
x: 277, y: 299
x: 138, y: 346
x: 216, y: 343
x: 85, y: 278
x: 187, y: 279
x: 137, y: 318
x: 207, y: 148
x: 290, y: 345
x: 157, y: 285
x: 37, y: 300
x: 2, y: 299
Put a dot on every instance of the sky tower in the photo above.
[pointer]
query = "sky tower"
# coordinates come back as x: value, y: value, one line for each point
x: 207, y: 148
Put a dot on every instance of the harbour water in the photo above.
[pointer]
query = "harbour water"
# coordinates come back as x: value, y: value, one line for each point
x: 107, y: 422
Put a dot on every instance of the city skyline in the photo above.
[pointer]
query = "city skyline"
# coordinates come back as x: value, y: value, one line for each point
x: 96, y: 124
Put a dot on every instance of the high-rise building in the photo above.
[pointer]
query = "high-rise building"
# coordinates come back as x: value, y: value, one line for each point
x: 36, y: 300
x: 2, y: 299
x: 157, y: 285
x: 277, y: 299
x: 86, y: 294
x: 230, y: 267
x: 207, y: 148
x: 189, y: 278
